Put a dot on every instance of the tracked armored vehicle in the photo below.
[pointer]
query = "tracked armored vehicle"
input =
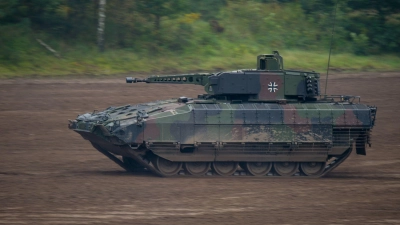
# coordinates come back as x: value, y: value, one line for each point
x: 258, y: 122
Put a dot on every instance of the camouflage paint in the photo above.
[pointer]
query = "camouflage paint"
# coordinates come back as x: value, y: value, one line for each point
x: 253, y: 122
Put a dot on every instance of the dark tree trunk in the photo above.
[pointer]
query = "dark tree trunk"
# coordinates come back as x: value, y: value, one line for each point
x: 100, y: 28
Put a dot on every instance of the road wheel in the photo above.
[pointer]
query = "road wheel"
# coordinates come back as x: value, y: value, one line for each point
x: 197, y: 168
x: 166, y: 167
x: 312, y: 169
x: 286, y: 169
x: 225, y: 168
x: 258, y: 168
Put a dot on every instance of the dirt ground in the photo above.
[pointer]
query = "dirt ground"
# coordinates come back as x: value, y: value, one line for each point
x: 50, y: 175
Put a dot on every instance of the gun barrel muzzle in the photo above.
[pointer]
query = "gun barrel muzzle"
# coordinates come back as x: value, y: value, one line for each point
x: 130, y: 80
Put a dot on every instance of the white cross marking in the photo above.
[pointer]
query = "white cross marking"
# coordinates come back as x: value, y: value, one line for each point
x: 272, y: 87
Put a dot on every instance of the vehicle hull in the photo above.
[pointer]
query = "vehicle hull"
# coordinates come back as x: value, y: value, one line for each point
x: 242, y: 133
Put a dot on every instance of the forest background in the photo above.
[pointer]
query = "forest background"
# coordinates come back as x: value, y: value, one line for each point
x: 177, y: 36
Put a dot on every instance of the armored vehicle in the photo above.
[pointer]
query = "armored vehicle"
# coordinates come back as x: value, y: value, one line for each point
x: 266, y: 121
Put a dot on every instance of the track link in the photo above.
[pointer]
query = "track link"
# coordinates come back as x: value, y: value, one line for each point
x: 332, y: 164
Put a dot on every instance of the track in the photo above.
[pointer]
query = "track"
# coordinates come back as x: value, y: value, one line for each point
x: 151, y: 166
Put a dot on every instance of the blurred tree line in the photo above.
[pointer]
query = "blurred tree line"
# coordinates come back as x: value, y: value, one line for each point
x: 206, y: 26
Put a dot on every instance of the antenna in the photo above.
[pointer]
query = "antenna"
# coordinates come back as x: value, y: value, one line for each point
x: 330, y: 47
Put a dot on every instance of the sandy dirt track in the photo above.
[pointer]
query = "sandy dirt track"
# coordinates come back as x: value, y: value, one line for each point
x: 50, y: 175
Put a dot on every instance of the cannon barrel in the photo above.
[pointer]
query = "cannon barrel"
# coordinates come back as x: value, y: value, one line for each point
x: 197, y: 79
x: 134, y: 80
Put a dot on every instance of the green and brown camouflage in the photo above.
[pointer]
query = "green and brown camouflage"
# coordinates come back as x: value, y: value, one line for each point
x: 265, y: 118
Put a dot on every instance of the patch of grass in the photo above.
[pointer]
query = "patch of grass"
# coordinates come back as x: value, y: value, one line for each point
x: 229, y: 57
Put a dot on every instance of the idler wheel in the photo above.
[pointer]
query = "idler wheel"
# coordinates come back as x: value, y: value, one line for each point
x: 258, y: 168
x: 197, y: 168
x: 286, y: 169
x: 312, y: 169
x: 225, y: 168
x: 166, y: 167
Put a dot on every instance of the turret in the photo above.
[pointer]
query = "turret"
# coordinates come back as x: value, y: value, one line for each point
x: 268, y: 83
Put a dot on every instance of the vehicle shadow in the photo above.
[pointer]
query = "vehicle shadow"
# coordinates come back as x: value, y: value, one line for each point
x: 392, y: 176
x: 332, y: 175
